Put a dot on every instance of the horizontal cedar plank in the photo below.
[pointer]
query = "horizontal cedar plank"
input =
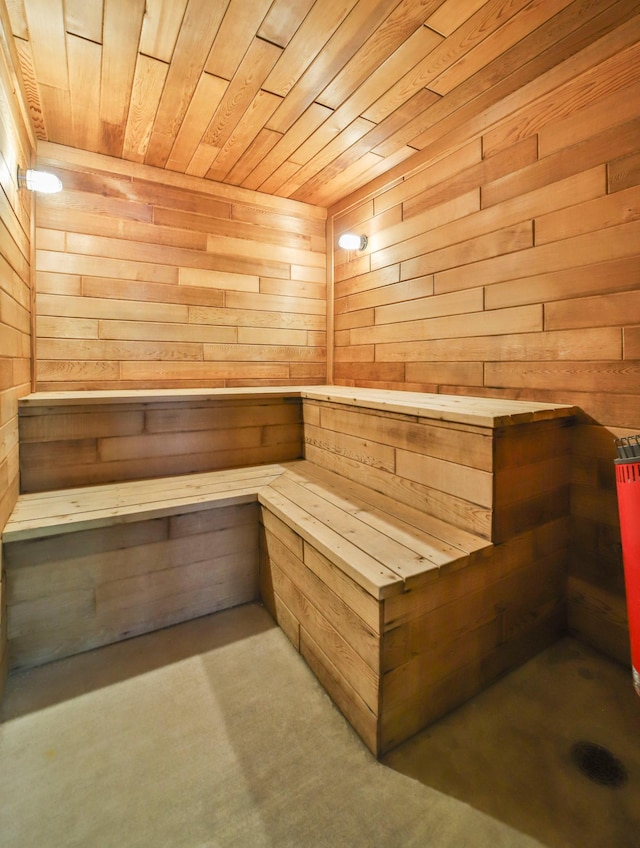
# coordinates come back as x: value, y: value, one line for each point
x: 360, y: 449
x: 98, y: 307
x: 527, y: 319
x: 471, y: 300
x: 610, y: 210
x: 487, y: 170
x: 99, y: 224
x: 412, y: 229
x: 396, y: 293
x: 510, y: 241
x: 600, y: 148
x: 429, y: 439
x: 624, y: 172
x: 568, y: 345
x: 605, y: 310
x: 47, y: 427
x: 283, y: 318
x: 49, y: 283
x: 304, y: 305
x: 604, y: 377
x: 604, y: 112
x: 586, y: 249
x: 460, y: 480
x: 87, y: 374
x: 87, y: 349
x: 617, y: 275
x: 631, y: 340
x: 162, y: 371
x: 108, y: 287
x: 293, y: 288
x: 112, y: 248
x: 234, y: 229
x: 264, y: 252
x: 443, y: 171
x: 367, y: 281
x: 153, y: 331
x: 248, y: 353
x: 348, y: 320
x: 98, y: 266
x: 435, y: 374
x: 378, y: 372
x: 212, y: 419
x: 68, y: 328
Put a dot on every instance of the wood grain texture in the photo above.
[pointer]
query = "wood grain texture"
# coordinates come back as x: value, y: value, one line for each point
x: 155, y: 262
x: 559, y: 155
x: 17, y: 239
x: 310, y: 102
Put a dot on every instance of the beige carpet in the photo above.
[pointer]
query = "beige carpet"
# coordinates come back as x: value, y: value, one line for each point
x: 213, y: 733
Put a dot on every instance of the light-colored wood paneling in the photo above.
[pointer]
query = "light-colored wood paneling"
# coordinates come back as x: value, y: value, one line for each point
x: 16, y: 292
x: 553, y: 168
x: 311, y: 100
x: 154, y: 261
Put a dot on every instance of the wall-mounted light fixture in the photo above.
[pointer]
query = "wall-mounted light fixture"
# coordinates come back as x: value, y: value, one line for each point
x: 41, y: 181
x: 351, y: 241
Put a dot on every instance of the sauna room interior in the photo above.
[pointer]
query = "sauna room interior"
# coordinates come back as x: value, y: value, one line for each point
x: 307, y: 544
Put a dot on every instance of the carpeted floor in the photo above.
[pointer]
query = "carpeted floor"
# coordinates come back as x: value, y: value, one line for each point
x: 215, y: 733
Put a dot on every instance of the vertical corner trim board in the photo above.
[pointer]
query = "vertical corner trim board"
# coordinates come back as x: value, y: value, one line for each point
x: 416, y: 552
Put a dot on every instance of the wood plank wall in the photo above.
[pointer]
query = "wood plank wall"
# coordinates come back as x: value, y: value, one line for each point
x: 504, y: 261
x: 147, y: 278
x: 16, y: 149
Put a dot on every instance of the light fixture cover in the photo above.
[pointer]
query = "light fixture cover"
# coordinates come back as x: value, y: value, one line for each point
x: 351, y: 241
x: 41, y: 181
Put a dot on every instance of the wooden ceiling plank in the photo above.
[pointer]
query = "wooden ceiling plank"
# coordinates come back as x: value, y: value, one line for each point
x: 408, y: 55
x: 278, y: 178
x: 404, y: 20
x: 122, y: 26
x: 47, y: 36
x: 258, y: 113
x: 452, y: 14
x: 25, y: 56
x: 283, y: 20
x: 160, y: 28
x: 56, y: 105
x: 261, y: 145
x: 314, y: 32
x: 238, y: 29
x: 84, y: 19
x: 506, y: 36
x: 465, y: 107
x: 148, y: 84
x: 363, y: 20
x: 309, y: 121
x: 206, y: 99
x: 408, y: 84
x: 187, y: 65
x: 254, y: 68
x: 334, y: 148
x: 84, y: 77
x: 18, y: 18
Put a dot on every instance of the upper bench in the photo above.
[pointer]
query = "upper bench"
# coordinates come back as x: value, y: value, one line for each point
x: 491, y: 467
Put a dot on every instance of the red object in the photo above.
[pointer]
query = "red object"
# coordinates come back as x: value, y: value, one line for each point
x: 628, y: 485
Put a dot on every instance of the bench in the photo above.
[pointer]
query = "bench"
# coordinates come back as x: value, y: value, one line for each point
x: 415, y: 554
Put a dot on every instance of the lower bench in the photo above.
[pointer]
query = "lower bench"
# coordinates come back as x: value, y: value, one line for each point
x: 400, y: 615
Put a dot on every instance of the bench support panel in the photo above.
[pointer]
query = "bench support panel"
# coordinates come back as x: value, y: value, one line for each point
x: 80, y: 590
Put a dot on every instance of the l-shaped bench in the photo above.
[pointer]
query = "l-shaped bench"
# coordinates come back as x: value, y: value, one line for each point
x: 415, y: 553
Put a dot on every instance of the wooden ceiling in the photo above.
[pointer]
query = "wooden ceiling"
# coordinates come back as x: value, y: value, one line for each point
x: 296, y: 98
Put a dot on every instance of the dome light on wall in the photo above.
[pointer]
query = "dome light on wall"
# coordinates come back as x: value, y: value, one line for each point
x: 351, y: 241
x: 41, y: 181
